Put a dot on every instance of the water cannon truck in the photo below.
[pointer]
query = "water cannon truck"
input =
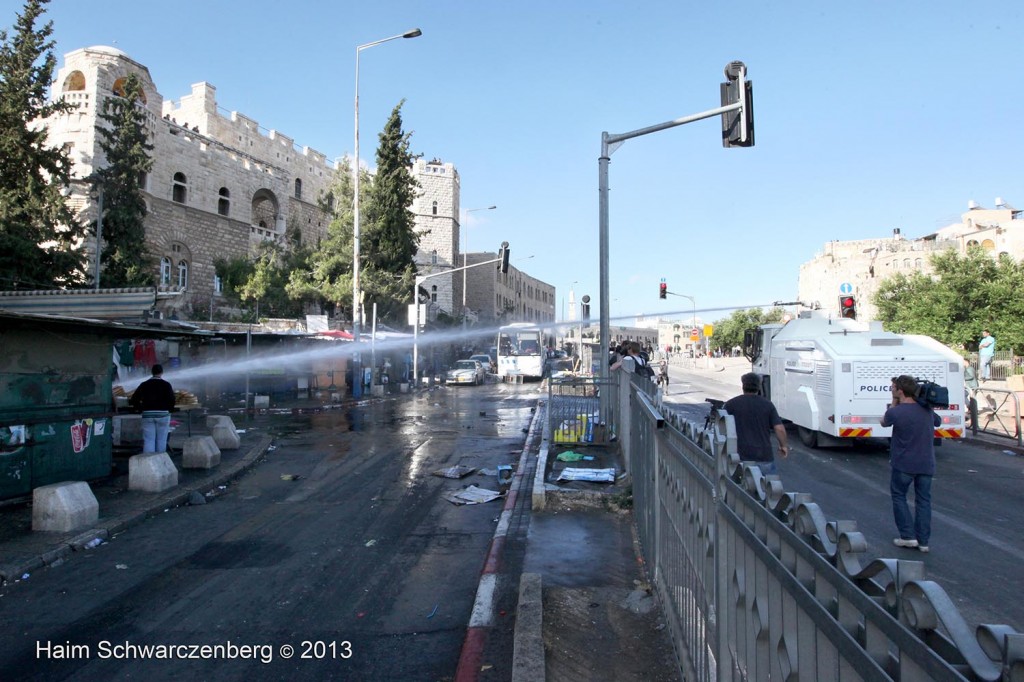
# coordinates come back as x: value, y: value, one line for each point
x: 831, y: 377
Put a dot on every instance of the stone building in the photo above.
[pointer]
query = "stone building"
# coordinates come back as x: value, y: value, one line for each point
x: 490, y: 296
x: 219, y: 185
x: 858, y: 267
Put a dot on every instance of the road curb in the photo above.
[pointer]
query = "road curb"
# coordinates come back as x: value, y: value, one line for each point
x: 482, y: 617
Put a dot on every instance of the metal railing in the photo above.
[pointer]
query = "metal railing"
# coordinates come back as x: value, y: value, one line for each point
x: 756, y: 583
x: 997, y: 413
x: 574, y: 410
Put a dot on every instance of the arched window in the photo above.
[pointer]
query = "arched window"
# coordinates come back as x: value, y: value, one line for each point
x: 74, y: 82
x: 165, y: 270
x: 917, y: 263
x: 179, y: 190
x: 183, y: 274
x: 972, y: 242
x: 906, y: 262
x: 434, y: 208
x: 988, y: 245
x: 433, y: 258
x: 224, y: 202
x: 119, y: 89
x: 298, y: 188
x: 330, y: 202
x: 433, y: 294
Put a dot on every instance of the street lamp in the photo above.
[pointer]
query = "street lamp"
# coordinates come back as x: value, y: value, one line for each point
x: 465, y: 257
x: 356, y: 305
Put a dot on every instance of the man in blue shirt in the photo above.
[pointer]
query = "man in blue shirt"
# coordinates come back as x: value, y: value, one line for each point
x: 912, y: 458
x: 756, y: 419
x: 986, y: 349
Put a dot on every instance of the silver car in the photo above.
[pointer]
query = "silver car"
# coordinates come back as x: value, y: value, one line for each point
x: 466, y: 372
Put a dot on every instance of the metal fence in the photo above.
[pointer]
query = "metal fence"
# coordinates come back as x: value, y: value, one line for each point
x: 574, y: 410
x: 996, y: 412
x: 758, y: 584
x: 1004, y: 364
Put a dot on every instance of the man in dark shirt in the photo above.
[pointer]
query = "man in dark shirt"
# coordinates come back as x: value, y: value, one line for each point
x: 912, y: 458
x: 756, y: 418
x: 155, y: 399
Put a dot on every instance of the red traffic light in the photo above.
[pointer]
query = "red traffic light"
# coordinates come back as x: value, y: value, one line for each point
x: 663, y: 290
x: 848, y: 307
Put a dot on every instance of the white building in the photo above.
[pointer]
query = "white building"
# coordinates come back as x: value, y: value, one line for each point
x: 858, y: 267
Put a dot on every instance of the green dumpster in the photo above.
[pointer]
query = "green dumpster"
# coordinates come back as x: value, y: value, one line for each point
x: 55, y: 408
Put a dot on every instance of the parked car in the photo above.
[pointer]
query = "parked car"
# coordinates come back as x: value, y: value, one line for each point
x: 466, y: 372
x: 560, y: 368
x: 485, y: 360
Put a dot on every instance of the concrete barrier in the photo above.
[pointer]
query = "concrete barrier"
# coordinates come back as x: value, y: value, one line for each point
x: 200, y: 452
x: 64, y: 507
x: 223, y: 431
x: 152, y: 472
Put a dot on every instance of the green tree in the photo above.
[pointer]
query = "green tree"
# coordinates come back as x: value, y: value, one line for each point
x: 729, y: 331
x: 965, y: 294
x: 389, y: 242
x: 325, y: 275
x: 39, y: 234
x: 125, y: 142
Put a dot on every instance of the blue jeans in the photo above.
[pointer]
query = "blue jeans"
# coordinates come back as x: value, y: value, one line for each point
x: 154, y: 433
x: 767, y: 468
x: 911, y: 528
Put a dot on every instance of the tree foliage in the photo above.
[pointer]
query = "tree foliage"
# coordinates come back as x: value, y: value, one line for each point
x: 125, y: 142
x: 390, y: 240
x: 39, y: 234
x: 729, y: 332
x: 965, y: 294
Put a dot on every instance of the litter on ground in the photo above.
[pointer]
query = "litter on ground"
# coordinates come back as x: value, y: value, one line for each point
x: 457, y: 471
x: 473, y: 495
x: 597, y: 475
x: 569, y: 456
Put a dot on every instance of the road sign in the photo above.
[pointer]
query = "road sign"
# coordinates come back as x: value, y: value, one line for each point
x: 694, y: 334
x: 709, y: 330
x: 846, y: 288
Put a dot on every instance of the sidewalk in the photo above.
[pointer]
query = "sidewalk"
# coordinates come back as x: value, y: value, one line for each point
x: 23, y: 550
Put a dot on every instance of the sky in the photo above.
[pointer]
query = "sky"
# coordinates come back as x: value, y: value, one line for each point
x: 869, y: 116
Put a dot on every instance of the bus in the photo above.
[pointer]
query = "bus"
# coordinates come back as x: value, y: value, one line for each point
x: 521, y: 350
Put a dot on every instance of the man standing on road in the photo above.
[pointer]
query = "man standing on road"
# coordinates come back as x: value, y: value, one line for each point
x: 155, y: 399
x: 912, y: 458
x: 756, y: 417
x: 986, y: 349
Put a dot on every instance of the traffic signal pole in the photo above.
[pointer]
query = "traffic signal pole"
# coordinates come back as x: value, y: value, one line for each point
x: 609, y: 143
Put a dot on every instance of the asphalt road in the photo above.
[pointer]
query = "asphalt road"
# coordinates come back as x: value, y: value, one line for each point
x: 336, y: 558
x: 977, y: 550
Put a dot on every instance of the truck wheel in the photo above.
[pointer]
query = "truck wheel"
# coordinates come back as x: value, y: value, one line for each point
x: 807, y: 437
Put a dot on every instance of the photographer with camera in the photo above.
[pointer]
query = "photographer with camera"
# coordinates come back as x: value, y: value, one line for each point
x: 912, y: 458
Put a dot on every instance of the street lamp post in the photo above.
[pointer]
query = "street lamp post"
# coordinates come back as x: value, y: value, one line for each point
x: 357, y: 312
x: 465, y: 259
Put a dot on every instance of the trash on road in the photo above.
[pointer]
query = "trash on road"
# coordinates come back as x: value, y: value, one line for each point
x: 371, y: 543
x: 95, y: 542
x: 121, y: 567
x: 457, y: 471
x: 596, y: 475
x: 290, y: 477
x: 434, y: 611
x: 569, y: 456
x: 473, y: 495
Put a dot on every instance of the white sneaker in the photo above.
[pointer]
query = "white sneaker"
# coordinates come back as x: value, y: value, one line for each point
x: 923, y: 548
x: 900, y: 542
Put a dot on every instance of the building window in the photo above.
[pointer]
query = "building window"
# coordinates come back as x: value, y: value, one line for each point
x: 298, y: 188
x: 74, y: 82
x: 165, y: 270
x: 330, y: 203
x: 433, y: 294
x: 179, y: 192
x: 218, y: 285
x: 143, y: 179
x: 917, y: 263
x: 224, y: 202
x: 433, y: 257
x: 183, y: 274
x: 433, y: 208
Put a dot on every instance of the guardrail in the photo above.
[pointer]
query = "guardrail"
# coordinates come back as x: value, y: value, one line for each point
x: 992, y: 415
x: 756, y: 583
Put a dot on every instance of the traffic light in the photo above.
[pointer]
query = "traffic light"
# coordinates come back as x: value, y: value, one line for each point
x: 585, y: 309
x: 663, y: 290
x: 737, y: 125
x: 848, y: 307
x: 503, y: 255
